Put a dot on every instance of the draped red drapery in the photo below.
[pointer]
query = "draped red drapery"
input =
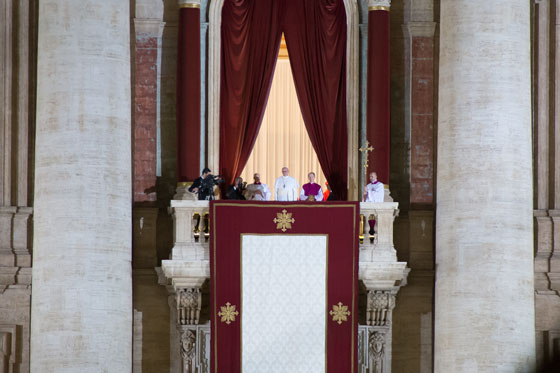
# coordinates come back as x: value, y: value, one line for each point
x: 315, y: 34
x: 250, y: 41
x: 316, y: 39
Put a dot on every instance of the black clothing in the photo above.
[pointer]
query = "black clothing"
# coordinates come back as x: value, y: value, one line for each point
x: 203, y: 194
x: 234, y: 192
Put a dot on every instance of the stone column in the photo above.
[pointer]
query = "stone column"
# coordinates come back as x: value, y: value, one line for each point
x: 82, y: 293
x: 484, y: 309
x: 188, y: 91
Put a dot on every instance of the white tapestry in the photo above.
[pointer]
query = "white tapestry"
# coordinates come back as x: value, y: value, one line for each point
x: 284, y: 293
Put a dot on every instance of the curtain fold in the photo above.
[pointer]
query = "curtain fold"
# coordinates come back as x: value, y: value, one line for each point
x: 315, y: 33
x: 283, y: 139
x: 250, y: 40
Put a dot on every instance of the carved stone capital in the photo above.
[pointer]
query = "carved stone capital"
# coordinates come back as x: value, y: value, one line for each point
x: 189, y: 3
x: 379, y: 5
x: 189, y: 301
x: 380, y: 305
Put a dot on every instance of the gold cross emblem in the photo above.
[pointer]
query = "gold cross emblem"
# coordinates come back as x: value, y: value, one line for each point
x: 284, y: 220
x: 339, y: 313
x: 366, y: 149
x: 228, y: 313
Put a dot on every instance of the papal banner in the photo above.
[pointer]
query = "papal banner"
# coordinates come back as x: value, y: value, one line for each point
x: 284, y: 280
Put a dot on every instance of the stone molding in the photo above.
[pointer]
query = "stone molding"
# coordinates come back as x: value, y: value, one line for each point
x: 15, y: 247
x: 419, y: 29
x: 8, y: 346
x: 149, y: 26
x: 547, y: 258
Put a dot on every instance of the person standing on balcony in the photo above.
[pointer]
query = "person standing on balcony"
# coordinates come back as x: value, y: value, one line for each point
x: 311, y: 191
x: 373, y: 192
x: 286, y: 187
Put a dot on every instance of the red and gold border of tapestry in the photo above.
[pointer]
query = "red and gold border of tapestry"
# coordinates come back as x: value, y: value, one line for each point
x: 231, y: 220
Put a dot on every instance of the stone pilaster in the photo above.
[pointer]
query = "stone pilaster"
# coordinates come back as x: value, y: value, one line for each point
x: 484, y: 307
x: 82, y: 293
x: 147, y: 70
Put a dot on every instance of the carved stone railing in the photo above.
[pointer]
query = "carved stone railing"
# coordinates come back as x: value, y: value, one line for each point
x: 189, y: 267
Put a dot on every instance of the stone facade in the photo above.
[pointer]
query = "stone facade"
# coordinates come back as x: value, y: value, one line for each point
x: 415, y: 51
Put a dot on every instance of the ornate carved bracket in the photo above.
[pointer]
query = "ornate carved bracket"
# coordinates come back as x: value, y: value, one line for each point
x: 189, y: 302
x: 380, y: 306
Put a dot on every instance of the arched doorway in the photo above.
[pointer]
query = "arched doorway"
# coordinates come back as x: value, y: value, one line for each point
x: 352, y: 102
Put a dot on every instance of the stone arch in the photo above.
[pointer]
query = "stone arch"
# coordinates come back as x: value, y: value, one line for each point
x: 352, y: 87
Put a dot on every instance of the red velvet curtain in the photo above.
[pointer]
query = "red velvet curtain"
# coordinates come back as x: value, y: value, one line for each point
x: 315, y: 32
x: 250, y: 41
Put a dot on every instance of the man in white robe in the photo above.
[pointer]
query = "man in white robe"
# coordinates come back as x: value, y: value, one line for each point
x: 286, y: 187
x: 257, y: 191
x: 373, y: 192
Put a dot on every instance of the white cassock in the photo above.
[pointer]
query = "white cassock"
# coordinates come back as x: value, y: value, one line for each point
x: 286, y: 188
x: 375, y: 192
x: 251, y: 193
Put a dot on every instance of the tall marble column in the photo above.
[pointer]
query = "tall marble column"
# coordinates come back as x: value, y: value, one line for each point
x: 82, y: 293
x: 484, y: 309
x: 188, y: 91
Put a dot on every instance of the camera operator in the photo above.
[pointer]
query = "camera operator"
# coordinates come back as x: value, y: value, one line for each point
x: 235, y: 191
x: 198, y: 186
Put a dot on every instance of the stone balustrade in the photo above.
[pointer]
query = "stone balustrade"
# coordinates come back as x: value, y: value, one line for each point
x: 379, y: 270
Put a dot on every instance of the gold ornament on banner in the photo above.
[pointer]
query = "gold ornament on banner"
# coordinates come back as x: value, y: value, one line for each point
x: 339, y: 313
x: 228, y: 313
x: 284, y: 220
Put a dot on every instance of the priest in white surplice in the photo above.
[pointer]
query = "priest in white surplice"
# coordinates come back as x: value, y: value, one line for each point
x: 257, y: 191
x: 373, y: 192
x: 286, y: 187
